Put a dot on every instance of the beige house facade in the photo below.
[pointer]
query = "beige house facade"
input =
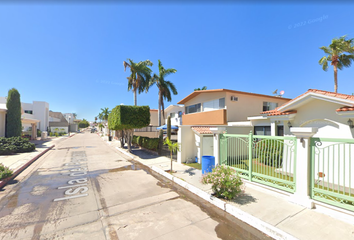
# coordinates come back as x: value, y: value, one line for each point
x: 227, y: 108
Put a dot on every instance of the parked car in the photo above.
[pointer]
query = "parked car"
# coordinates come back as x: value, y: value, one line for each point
x: 93, y: 130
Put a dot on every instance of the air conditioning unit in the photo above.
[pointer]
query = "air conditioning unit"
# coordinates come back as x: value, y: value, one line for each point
x: 234, y: 99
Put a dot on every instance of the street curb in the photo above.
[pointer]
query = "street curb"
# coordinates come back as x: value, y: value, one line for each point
x: 19, y: 170
x: 262, y: 226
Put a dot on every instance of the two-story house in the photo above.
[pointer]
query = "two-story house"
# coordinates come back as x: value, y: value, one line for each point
x: 34, y: 116
x: 219, y: 107
x: 175, y: 112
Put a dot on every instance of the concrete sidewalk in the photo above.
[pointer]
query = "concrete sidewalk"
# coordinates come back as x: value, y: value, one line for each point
x: 20, y: 161
x: 267, y: 210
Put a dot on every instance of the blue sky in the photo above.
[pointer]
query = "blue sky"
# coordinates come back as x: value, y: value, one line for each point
x: 71, y: 55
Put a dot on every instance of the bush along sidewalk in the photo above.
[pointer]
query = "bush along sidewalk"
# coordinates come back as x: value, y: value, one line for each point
x: 5, y: 172
x: 15, y: 145
x: 225, y: 182
x: 145, y: 142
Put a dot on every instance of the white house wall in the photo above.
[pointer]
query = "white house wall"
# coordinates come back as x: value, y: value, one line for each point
x: 188, y: 148
x: 322, y: 114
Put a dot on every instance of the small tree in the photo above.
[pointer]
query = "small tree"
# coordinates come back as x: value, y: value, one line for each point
x: 84, y: 124
x: 13, y: 116
x: 173, y: 147
x: 169, y: 127
x: 128, y: 118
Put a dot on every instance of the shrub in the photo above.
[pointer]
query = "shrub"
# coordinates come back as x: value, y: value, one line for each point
x: 51, y: 134
x: 13, y: 116
x: 39, y: 133
x: 5, y: 172
x: 270, y: 152
x: 15, y: 145
x: 145, y: 142
x: 56, y: 134
x: 225, y: 182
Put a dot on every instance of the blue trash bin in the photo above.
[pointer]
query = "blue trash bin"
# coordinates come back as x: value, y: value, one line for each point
x: 208, y: 163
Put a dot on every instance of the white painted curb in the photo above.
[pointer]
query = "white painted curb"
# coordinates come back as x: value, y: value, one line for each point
x: 262, y: 226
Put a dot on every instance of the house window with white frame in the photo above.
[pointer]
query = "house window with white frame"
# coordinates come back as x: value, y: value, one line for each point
x: 28, y: 111
x: 193, y: 108
x: 214, y: 105
x: 267, y: 106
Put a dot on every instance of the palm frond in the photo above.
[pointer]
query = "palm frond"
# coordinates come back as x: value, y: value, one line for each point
x: 324, y: 62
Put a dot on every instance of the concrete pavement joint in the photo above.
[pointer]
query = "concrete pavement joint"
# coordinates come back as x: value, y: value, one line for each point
x: 293, y: 215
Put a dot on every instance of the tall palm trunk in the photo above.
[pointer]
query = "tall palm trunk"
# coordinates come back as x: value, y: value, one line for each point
x: 159, y: 109
x: 135, y: 99
x: 335, y: 78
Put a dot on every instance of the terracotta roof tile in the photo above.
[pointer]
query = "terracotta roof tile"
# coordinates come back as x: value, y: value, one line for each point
x: 344, y: 109
x: 278, y: 113
x: 275, y: 112
x: 202, y: 130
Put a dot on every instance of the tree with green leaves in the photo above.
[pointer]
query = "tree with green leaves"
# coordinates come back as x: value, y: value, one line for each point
x: 165, y: 87
x: 13, y: 116
x: 200, y: 89
x: 173, y: 147
x: 84, y: 123
x: 340, y: 53
x: 105, y: 113
x: 140, y: 75
x: 100, y: 117
x: 127, y: 118
x: 169, y: 127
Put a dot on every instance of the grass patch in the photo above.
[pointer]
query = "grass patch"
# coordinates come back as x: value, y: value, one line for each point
x: 194, y: 165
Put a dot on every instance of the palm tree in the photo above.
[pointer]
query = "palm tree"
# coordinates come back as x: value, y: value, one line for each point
x: 139, y: 78
x: 336, y: 54
x: 165, y: 88
x: 105, y: 112
x: 100, y: 116
x: 198, y: 89
x: 173, y: 147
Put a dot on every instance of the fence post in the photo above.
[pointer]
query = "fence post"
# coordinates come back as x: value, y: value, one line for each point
x: 250, y: 156
x: 217, y: 131
x: 303, y: 166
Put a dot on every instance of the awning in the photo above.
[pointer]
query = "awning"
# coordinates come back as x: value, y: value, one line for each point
x: 164, y: 127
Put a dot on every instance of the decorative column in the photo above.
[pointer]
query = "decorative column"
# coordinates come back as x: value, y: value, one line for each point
x: 273, y: 128
x: 303, y: 166
x: 217, y: 131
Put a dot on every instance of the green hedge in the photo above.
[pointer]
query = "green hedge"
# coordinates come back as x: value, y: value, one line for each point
x: 145, y: 142
x: 129, y: 117
x: 15, y: 145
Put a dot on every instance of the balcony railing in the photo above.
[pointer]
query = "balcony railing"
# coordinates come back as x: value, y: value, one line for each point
x: 146, y: 129
x: 216, y: 117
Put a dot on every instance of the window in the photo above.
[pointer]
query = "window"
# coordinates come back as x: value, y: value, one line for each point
x: 180, y: 114
x: 29, y: 111
x: 172, y: 115
x: 193, y: 108
x: 214, y: 105
x: 280, y: 131
x: 262, y: 130
x: 267, y: 106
